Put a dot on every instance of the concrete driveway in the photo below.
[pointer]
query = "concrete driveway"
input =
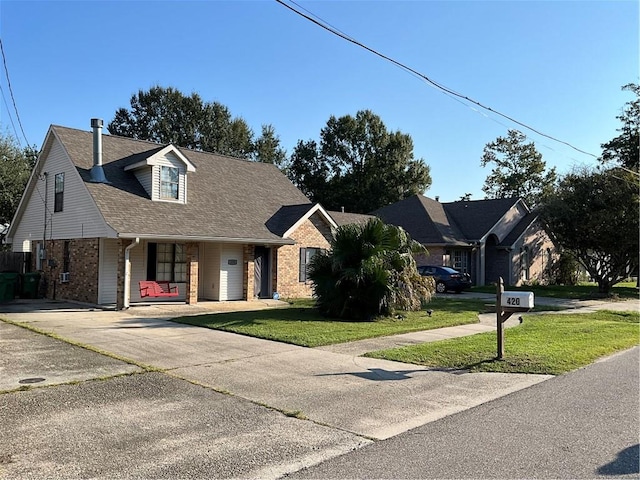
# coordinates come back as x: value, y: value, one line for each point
x: 219, y: 404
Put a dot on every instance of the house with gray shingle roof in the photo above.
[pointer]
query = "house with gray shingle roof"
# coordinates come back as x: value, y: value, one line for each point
x: 486, y: 238
x: 102, y: 213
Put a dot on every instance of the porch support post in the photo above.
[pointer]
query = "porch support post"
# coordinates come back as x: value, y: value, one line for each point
x: 249, y: 272
x: 192, y: 273
x: 120, y: 276
x: 127, y: 272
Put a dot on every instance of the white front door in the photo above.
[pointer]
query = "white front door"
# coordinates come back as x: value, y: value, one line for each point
x: 231, y: 272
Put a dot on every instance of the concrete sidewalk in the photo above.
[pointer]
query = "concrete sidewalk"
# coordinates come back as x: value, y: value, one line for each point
x: 367, y: 397
x: 282, y: 407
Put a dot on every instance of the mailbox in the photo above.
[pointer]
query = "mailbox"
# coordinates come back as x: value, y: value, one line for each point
x: 519, y: 300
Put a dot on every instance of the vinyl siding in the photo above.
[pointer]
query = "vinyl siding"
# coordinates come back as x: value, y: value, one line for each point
x: 145, y: 177
x: 170, y: 160
x: 138, y: 257
x: 79, y: 218
x: 108, y: 272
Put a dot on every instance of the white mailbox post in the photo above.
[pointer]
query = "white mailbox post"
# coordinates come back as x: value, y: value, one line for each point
x: 508, y: 303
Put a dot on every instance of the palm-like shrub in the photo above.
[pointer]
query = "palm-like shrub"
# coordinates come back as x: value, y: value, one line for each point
x: 369, y: 271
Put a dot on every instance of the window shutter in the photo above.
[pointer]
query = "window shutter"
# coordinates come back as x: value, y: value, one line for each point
x: 303, y: 265
x: 151, y: 261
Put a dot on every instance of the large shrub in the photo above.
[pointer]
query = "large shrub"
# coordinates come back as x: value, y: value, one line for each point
x: 368, y: 271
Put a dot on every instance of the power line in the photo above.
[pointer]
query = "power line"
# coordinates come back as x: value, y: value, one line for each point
x: 325, y: 25
x: 4, y: 99
x: 6, y: 71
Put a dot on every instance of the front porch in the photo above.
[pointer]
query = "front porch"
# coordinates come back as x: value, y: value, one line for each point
x: 201, y: 271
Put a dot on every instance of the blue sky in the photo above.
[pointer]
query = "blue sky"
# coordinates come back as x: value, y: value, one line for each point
x: 555, y: 65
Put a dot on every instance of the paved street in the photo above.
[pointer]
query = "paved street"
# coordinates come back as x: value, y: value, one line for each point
x: 584, y: 424
x: 170, y: 400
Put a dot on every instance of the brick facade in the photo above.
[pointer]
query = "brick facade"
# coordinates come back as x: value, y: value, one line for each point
x: 192, y: 250
x: 313, y: 233
x: 248, y: 272
x: 82, y: 260
x: 435, y: 256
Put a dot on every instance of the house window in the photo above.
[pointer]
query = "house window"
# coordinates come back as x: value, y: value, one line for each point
x: 167, y: 261
x: 306, y: 254
x: 524, y: 263
x: 459, y: 260
x: 40, y: 256
x: 169, y: 180
x: 66, y: 256
x: 59, y: 192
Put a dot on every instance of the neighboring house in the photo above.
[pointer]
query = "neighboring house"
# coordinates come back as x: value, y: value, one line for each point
x: 102, y: 213
x: 485, y: 238
x: 343, y: 218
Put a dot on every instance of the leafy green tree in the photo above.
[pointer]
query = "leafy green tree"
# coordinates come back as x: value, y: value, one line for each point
x: 594, y: 216
x: 518, y: 169
x: 369, y: 271
x: 267, y: 147
x: 625, y: 148
x: 15, y: 168
x: 358, y: 164
x: 166, y: 115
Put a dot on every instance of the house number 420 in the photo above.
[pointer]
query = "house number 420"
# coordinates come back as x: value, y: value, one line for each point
x: 513, y: 301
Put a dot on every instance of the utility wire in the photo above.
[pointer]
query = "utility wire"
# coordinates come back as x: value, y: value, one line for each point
x: 4, y: 99
x: 6, y: 71
x: 321, y: 23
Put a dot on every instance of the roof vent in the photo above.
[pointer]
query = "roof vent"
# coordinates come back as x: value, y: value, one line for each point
x: 437, y: 198
x: 97, y: 172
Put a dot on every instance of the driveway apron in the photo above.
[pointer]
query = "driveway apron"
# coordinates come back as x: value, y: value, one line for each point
x: 368, y: 397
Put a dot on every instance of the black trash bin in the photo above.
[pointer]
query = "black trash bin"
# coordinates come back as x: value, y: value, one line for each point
x: 30, y: 283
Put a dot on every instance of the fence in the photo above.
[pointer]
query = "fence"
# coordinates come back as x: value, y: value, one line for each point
x: 19, y: 262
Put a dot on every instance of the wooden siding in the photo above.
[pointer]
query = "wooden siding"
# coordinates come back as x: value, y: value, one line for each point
x: 79, y: 218
x: 108, y: 272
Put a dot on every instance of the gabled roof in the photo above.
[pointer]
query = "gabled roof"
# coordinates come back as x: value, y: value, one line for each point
x: 344, y: 218
x: 228, y: 198
x: 287, y: 216
x: 477, y: 217
x: 456, y: 223
x: 424, y: 219
x: 153, y: 159
x: 519, y: 229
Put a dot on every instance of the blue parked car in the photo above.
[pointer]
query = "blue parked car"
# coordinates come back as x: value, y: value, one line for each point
x: 446, y: 278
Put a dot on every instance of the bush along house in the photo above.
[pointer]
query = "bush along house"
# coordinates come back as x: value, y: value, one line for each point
x: 102, y: 213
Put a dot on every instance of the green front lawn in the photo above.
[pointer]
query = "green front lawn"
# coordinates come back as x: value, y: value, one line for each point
x: 584, y: 291
x: 545, y: 344
x: 301, y: 324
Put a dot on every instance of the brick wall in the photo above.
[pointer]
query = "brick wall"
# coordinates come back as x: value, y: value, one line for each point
x: 192, y: 250
x: 313, y: 233
x: 83, y: 269
x: 434, y: 257
x: 248, y: 272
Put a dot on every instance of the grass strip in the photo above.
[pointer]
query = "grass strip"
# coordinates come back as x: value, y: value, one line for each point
x: 301, y: 324
x: 584, y: 291
x: 544, y: 344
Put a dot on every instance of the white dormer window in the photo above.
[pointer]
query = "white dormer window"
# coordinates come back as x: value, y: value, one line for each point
x: 164, y: 174
x: 169, y: 183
